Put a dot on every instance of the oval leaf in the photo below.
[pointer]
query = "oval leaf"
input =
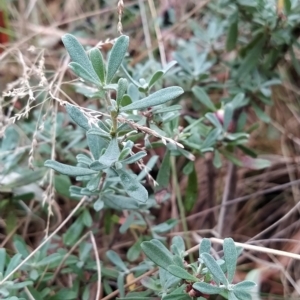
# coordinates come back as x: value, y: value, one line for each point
x: 230, y: 257
x: 206, y: 288
x: 181, y: 273
x: 116, y: 260
x: 83, y: 73
x: 116, y: 56
x: 98, y: 63
x: 132, y: 186
x: 202, y: 96
x: 214, y: 268
x: 157, y: 98
x: 68, y: 170
x: 78, y: 54
x: 157, y: 254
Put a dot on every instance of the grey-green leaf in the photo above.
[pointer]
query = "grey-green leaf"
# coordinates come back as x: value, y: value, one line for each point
x: 77, y: 53
x: 98, y: 63
x: 230, y: 257
x: 133, y: 188
x: 122, y: 89
x: 204, y: 246
x: 68, y: 170
x: 245, y: 285
x: 111, y: 154
x: 214, y: 268
x: 164, y: 173
x: 202, y: 96
x: 181, y: 273
x: 206, y: 288
x: 116, y: 56
x: 157, y: 254
x: 96, y: 143
x: 116, y: 260
x: 134, y: 158
x: 157, y: 98
x: 232, y: 32
x: 242, y: 295
x: 83, y: 73
x: 179, y: 242
x: 120, y: 202
x: 78, y: 116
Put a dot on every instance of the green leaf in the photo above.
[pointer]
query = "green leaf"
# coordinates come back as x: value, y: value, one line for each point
x: 238, y: 101
x: 83, y: 73
x: 155, y: 77
x: 287, y: 6
x: 179, y: 242
x: 242, y: 295
x: 87, y: 218
x: 128, y: 222
x: 214, y: 120
x: 150, y: 283
x: 120, y: 202
x: 134, y: 251
x: 230, y: 156
x: 163, y: 176
x: 202, y: 96
x: 96, y: 143
x: 217, y: 161
x: 126, y: 100
x: 111, y: 154
x: 116, y: 260
x: 231, y: 296
x: 181, y: 273
x: 77, y: 54
x: 78, y: 116
x: 158, y: 253
x: 165, y: 226
x: 20, y: 246
x: 13, y: 263
x: 255, y: 163
x: 252, y: 57
x: 260, y: 113
x: 204, y: 246
x: 211, y: 138
x: 116, y: 56
x: 180, y: 296
x: 98, y: 63
x: 232, y: 32
x: 206, y: 288
x: 68, y: 170
x: 214, y: 268
x: 157, y: 98
x: 54, y: 257
x: 134, y: 158
x: 228, y: 114
x: 73, y: 233
x: 98, y: 205
x: 132, y: 186
x: 191, y: 194
x: 245, y: 285
x: 122, y: 89
x: 230, y: 257
x: 2, y: 259
x: 62, y: 185
x: 158, y: 74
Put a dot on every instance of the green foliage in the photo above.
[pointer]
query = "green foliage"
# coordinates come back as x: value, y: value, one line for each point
x: 106, y: 155
x: 208, y: 276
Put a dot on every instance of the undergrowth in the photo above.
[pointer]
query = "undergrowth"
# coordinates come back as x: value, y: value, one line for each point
x: 107, y: 149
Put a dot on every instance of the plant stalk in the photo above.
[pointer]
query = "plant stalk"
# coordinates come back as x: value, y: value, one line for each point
x: 180, y: 204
